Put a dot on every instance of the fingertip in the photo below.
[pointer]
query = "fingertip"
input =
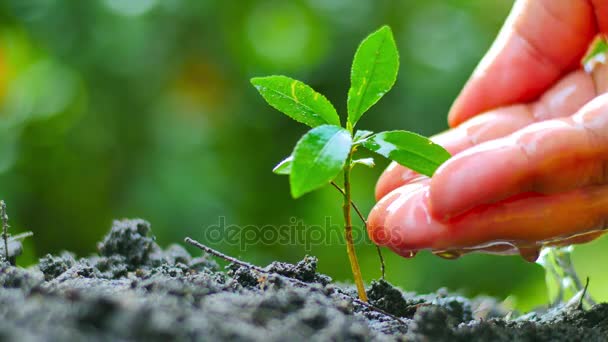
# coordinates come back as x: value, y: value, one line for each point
x: 387, y: 182
x: 401, y: 220
x: 445, y: 193
x: 455, y: 112
x: 444, y: 201
x: 465, y: 105
x: 376, y: 228
x: 393, y: 177
x: 483, y: 174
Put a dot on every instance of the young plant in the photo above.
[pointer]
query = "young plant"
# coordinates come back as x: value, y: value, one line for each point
x: 5, y: 226
x: 7, y: 238
x: 328, y: 149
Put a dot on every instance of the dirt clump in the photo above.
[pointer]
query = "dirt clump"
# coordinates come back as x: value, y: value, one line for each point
x: 135, y: 290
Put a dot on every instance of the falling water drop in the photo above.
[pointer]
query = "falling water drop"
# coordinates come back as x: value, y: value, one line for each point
x: 450, y: 255
x: 408, y: 254
x: 529, y: 254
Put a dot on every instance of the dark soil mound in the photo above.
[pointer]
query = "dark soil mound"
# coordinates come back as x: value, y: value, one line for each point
x: 134, y: 290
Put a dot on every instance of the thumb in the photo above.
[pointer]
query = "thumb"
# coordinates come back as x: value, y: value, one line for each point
x: 540, y: 41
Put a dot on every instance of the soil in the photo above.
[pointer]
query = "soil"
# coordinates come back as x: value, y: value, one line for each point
x: 134, y: 290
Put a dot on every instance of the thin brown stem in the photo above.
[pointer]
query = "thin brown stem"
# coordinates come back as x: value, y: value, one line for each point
x: 259, y: 269
x: 360, y: 214
x: 221, y: 255
x: 382, y: 265
x: 355, y: 208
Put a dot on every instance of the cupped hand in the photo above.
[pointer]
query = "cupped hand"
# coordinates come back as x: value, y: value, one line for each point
x: 529, y: 144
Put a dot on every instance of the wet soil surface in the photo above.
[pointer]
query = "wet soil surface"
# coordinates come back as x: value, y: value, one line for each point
x: 134, y: 290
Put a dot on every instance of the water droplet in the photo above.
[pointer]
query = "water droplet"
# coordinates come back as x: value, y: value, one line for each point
x: 408, y: 254
x: 529, y: 254
x: 450, y: 255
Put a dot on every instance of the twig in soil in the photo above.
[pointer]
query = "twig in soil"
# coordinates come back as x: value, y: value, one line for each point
x: 4, y: 218
x: 583, y: 295
x: 223, y: 256
x: 382, y: 266
x: 259, y: 269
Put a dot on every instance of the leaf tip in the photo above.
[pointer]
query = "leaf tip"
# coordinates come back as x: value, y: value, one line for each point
x: 296, y: 193
x: 284, y: 167
x: 256, y: 82
x: 385, y: 28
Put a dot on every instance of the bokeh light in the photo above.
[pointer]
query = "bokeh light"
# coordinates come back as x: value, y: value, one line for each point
x: 132, y: 7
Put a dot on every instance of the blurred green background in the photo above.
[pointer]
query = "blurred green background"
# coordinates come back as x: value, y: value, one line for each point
x: 143, y: 108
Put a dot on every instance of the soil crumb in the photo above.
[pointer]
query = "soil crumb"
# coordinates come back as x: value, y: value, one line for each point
x: 135, y: 290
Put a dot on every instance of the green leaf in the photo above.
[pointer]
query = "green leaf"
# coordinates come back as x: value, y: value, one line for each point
x: 373, y: 72
x: 369, y: 162
x: 409, y: 149
x: 297, y: 100
x: 362, y: 134
x: 284, y: 167
x: 318, y: 157
x: 597, y: 54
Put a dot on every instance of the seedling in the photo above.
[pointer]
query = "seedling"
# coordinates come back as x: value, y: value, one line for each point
x: 328, y: 149
x: 5, y: 226
x: 563, y: 283
x: 6, y: 237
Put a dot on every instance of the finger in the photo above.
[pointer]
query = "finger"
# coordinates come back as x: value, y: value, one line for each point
x: 601, y: 14
x: 478, y: 129
x: 540, y: 41
x: 563, y: 99
x: 403, y: 222
x: 599, y: 78
x: 547, y: 157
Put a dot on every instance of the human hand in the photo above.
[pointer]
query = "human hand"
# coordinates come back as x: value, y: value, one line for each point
x: 529, y: 145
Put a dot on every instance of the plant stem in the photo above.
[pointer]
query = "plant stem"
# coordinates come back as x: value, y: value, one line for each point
x: 4, y: 218
x: 360, y: 214
x: 563, y: 283
x: 348, y: 231
x: 382, y: 265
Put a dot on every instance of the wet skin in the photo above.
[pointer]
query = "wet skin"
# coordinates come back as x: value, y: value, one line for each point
x: 529, y: 140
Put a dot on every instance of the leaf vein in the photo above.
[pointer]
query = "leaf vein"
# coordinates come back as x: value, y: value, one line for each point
x: 373, y: 69
x: 298, y: 103
x: 308, y: 170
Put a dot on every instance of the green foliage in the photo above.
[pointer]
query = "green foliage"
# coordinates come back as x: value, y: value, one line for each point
x: 373, y: 73
x: 297, y: 100
x: 284, y: 167
x: 321, y: 153
x: 327, y: 149
x: 598, y: 49
x: 408, y: 149
x: 318, y: 157
x: 369, y: 162
x: 361, y: 134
